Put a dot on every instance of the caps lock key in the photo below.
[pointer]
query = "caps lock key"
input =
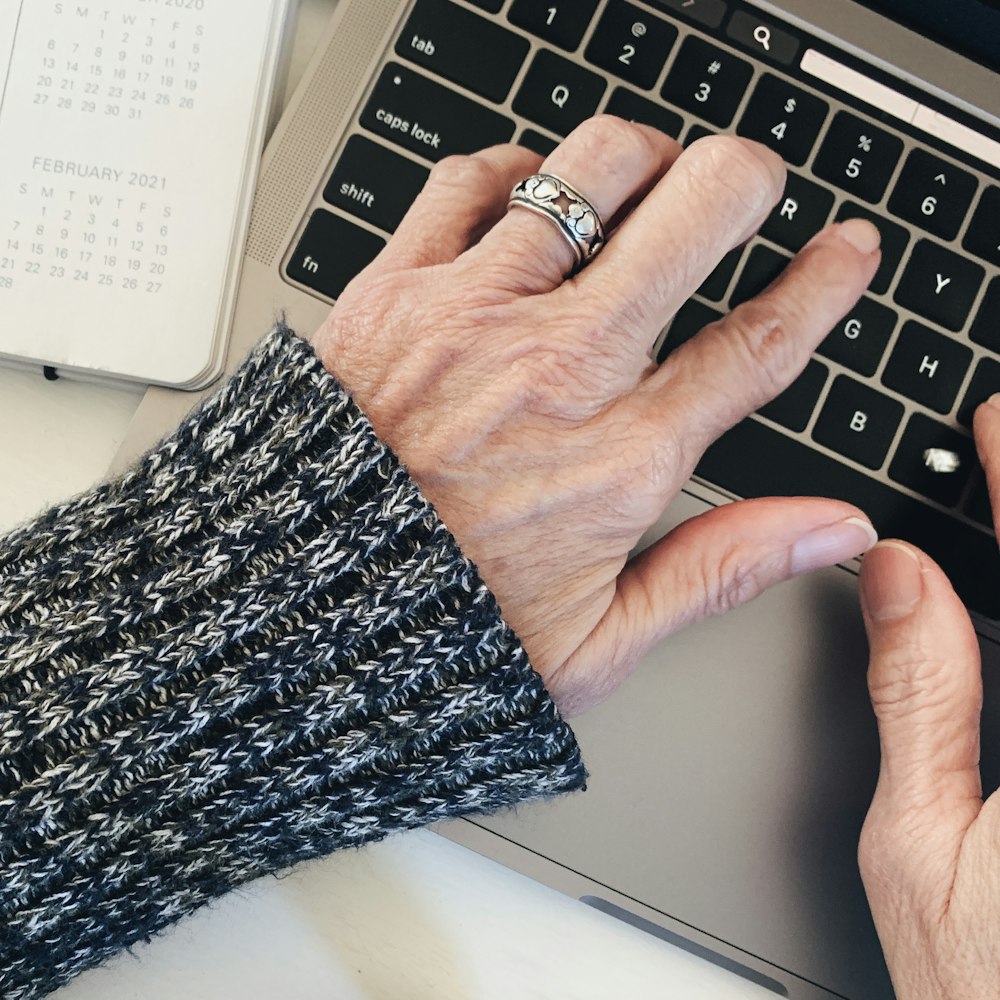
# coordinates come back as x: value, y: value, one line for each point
x: 428, y: 119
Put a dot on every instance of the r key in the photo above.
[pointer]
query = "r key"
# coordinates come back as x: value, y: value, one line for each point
x: 800, y: 214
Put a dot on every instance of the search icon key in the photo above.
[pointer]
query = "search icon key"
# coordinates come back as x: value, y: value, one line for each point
x: 763, y: 38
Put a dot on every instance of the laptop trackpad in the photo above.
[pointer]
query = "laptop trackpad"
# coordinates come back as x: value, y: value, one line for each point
x: 729, y: 781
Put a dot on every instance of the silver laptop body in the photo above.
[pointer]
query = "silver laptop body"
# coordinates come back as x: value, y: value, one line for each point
x: 730, y: 777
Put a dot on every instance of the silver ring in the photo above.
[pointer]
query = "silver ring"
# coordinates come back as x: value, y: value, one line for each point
x: 577, y: 219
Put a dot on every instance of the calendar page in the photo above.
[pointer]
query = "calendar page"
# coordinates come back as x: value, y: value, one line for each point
x: 127, y: 146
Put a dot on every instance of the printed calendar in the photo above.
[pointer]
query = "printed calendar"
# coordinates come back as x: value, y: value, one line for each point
x: 129, y: 136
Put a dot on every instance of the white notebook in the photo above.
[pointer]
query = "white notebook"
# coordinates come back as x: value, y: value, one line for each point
x: 130, y: 135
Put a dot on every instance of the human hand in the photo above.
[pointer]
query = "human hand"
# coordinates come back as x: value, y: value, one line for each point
x: 528, y: 410
x: 930, y: 848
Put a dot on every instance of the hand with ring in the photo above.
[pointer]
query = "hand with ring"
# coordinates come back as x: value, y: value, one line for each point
x: 517, y: 387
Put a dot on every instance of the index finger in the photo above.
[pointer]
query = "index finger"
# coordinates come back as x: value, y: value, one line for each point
x: 986, y: 427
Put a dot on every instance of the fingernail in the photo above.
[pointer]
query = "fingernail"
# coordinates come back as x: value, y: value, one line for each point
x: 891, y: 584
x: 861, y: 234
x: 833, y: 544
x: 993, y: 401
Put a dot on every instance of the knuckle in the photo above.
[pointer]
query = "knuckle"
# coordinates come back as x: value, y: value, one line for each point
x: 907, y: 682
x: 465, y: 172
x: 732, y: 581
x: 893, y: 848
x: 878, y: 856
x: 612, y: 144
x: 758, y: 332
x: 738, y: 169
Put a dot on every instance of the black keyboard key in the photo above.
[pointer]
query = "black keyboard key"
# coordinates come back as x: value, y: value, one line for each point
x: 691, y: 319
x: 801, y: 213
x: 536, y: 142
x: 631, y: 43
x: 858, y: 157
x: 983, y: 237
x: 978, y: 506
x: 895, y: 240
x: 628, y: 105
x: 927, y: 367
x: 985, y: 382
x: 986, y: 326
x: 763, y: 266
x: 940, y: 285
x: 558, y: 94
x: 463, y: 47
x: 859, y: 340
x: 716, y: 285
x: 331, y: 253
x: 933, y: 460
x: 784, y: 117
x: 709, y: 13
x: 493, y: 6
x: 858, y: 422
x: 763, y: 38
x: 696, y: 132
x: 707, y: 81
x: 374, y: 183
x: 794, y: 407
x: 933, y: 194
x: 753, y: 460
x: 561, y: 22
x: 429, y: 119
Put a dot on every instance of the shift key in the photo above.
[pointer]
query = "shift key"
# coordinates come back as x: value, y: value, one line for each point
x: 426, y: 118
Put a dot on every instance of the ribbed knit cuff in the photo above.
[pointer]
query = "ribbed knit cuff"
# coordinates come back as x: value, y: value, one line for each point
x: 258, y: 646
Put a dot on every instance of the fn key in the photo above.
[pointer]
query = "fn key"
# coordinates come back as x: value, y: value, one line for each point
x: 331, y: 253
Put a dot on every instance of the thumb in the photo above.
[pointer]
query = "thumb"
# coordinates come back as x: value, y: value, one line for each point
x: 723, y: 558
x: 925, y: 684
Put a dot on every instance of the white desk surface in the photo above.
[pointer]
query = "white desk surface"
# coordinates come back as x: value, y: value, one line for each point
x: 412, y: 918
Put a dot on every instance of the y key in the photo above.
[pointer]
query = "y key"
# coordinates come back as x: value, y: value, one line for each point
x: 940, y: 285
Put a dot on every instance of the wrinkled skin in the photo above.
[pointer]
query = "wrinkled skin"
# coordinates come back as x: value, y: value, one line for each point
x: 527, y: 408
x: 930, y: 849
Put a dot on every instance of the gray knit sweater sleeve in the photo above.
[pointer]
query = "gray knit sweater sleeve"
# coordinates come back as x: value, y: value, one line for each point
x: 259, y: 645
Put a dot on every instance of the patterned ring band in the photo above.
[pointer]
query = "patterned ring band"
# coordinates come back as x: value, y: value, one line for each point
x: 576, y: 218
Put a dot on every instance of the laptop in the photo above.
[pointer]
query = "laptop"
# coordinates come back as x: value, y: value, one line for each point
x: 731, y: 775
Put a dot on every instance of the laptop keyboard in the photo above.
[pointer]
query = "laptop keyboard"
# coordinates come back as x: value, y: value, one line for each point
x: 881, y: 416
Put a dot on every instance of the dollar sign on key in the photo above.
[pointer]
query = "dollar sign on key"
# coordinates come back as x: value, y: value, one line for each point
x: 790, y: 105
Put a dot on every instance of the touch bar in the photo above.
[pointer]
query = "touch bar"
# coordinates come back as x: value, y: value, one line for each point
x: 878, y: 95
